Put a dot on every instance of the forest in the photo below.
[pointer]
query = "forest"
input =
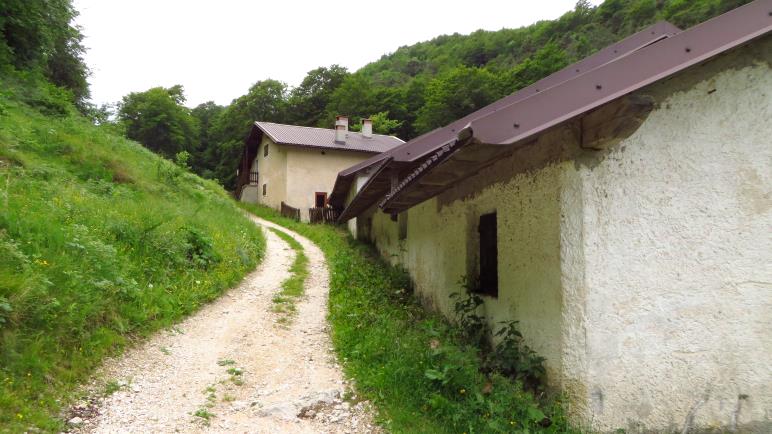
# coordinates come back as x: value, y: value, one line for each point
x: 408, y: 92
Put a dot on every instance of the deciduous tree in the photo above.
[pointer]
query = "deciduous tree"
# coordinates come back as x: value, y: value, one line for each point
x: 158, y: 119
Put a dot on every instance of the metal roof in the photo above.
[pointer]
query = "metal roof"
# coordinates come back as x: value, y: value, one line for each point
x: 523, y: 120
x: 325, y: 138
x: 415, y: 150
x: 648, y: 56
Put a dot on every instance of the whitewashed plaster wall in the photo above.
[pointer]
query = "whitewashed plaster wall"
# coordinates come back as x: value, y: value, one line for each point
x: 677, y: 230
x: 272, y: 171
x: 312, y: 170
x: 643, y: 273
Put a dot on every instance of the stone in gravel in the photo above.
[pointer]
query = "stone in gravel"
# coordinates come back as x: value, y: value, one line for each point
x: 75, y: 421
x: 286, y: 411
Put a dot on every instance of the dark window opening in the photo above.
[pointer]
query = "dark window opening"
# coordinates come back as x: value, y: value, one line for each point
x: 402, y: 221
x: 265, y: 151
x: 264, y: 188
x: 320, y: 200
x: 489, y: 271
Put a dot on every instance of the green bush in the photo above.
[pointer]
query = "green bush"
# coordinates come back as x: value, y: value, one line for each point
x: 96, y: 247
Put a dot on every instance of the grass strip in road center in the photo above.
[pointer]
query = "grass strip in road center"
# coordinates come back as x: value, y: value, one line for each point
x: 292, y: 288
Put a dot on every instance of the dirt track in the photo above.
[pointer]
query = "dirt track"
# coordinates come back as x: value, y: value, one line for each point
x: 234, y: 366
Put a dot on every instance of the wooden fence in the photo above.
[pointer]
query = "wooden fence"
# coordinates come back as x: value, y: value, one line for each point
x: 288, y: 211
x: 323, y: 215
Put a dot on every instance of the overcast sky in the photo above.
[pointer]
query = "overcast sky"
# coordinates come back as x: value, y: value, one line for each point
x: 218, y: 48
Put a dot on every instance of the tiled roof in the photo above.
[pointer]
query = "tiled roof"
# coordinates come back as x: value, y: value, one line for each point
x: 325, y: 138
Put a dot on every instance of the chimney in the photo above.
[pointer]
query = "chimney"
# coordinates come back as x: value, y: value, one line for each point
x: 341, y: 128
x: 367, y: 128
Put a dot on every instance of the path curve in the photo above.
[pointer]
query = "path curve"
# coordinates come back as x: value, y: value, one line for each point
x: 291, y: 380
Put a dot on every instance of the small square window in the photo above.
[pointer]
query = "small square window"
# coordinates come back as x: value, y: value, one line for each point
x: 489, y: 272
x: 264, y: 189
x: 265, y: 150
x: 320, y: 199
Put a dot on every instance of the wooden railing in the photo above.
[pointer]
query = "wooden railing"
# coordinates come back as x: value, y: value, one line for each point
x: 323, y: 215
x: 290, y: 212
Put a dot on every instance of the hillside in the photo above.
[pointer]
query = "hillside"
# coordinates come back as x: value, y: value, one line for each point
x: 101, y: 241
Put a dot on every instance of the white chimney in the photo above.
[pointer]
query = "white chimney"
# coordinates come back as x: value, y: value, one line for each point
x: 367, y: 128
x: 341, y: 128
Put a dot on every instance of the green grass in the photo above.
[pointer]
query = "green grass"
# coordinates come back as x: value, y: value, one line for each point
x: 411, y: 363
x: 292, y: 288
x: 101, y: 243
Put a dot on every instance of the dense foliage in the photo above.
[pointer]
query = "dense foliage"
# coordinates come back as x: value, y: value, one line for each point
x: 158, y: 119
x: 422, y: 372
x: 430, y: 84
x: 38, y: 36
x: 100, y: 241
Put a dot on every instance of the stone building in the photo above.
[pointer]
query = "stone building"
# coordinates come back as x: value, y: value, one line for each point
x: 620, y: 210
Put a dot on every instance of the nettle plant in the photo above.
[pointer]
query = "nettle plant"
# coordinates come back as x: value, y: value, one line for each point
x: 509, y: 356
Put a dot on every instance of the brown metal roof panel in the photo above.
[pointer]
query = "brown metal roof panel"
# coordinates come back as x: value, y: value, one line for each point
x: 325, y: 138
x: 426, y: 143
x: 625, y: 75
x: 522, y: 121
x: 372, y: 161
x: 421, y: 146
x: 361, y: 202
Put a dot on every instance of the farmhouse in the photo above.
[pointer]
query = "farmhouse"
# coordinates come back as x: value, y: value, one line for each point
x: 620, y: 210
x: 292, y: 167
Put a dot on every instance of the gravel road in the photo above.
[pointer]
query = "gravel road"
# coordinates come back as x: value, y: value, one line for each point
x: 231, y: 368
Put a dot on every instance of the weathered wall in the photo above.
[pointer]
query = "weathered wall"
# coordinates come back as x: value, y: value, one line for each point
x: 314, y: 170
x: 643, y: 273
x: 678, y: 258
x: 272, y: 171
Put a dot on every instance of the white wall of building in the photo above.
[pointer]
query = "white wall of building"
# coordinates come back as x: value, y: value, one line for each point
x: 311, y: 170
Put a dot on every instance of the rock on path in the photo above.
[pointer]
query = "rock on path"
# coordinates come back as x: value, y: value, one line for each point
x: 231, y: 368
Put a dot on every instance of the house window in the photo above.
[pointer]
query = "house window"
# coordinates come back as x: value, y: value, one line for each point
x: 402, y: 221
x: 489, y: 272
x: 320, y: 200
x: 264, y: 189
x: 265, y: 150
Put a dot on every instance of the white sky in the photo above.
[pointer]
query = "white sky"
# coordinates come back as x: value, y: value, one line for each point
x: 218, y: 49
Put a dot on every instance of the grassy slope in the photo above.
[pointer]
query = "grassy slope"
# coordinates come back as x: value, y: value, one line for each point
x: 388, y: 342
x: 100, y: 241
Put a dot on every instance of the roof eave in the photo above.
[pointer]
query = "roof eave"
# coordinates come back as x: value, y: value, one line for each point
x: 536, y: 114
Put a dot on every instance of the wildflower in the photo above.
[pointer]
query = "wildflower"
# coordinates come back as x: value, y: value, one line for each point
x: 462, y: 391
